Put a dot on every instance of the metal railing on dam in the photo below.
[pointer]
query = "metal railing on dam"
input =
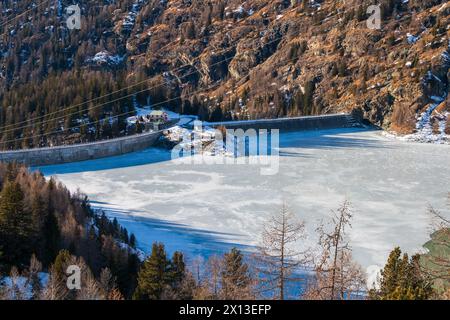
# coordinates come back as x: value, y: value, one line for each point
x: 137, y: 142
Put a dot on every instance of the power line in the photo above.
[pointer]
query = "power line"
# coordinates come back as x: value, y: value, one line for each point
x: 93, y: 122
x: 103, y: 96
x: 115, y: 100
x: 119, y: 115
x: 23, y: 13
x: 112, y: 93
x: 91, y: 100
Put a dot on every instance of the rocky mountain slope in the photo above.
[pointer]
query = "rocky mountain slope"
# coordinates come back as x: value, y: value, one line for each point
x: 221, y: 60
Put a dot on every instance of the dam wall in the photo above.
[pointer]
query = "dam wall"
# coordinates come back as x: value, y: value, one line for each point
x: 331, y: 121
x: 118, y: 146
x: 81, y: 152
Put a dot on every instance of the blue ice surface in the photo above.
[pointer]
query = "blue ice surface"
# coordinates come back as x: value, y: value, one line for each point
x: 176, y: 236
x: 331, y: 138
x: 147, y: 156
x: 198, y: 244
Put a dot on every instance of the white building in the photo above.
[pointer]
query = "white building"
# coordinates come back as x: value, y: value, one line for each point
x: 158, y: 115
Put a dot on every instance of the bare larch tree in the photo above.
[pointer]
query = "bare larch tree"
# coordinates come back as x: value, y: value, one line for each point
x: 279, y: 257
x: 337, y: 276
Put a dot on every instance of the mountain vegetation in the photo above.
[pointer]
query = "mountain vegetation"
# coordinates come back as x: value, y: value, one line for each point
x: 41, y: 222
x: 401, y: 279
x: 221, y: 60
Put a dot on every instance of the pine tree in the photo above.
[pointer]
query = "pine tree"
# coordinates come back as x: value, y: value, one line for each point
x: 153, y: 276
x: 177, y: 269
x: 52, y: 236
x: 401, y: 279
x: 216, y: 115
x: 2, y: 267
x: 38, y: 216
x: 38, y: 212
x: 236, y: 279
x: 15, y: 225
x: 180, y: 283
x: 132, y: 241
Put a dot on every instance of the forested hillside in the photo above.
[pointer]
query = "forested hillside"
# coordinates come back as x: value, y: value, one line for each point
x: 221, y: 60
x: 41, y: 222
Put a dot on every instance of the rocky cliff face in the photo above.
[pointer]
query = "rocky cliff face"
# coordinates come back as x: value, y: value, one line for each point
x: 277, y: 58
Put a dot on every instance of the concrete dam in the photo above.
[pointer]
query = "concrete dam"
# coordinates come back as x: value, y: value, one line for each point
x: 118, y: 146
x: 81, y: 152
x: 330, y: 121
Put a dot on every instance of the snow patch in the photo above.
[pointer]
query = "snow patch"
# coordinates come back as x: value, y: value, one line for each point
x: 373, y: 276
x: 411, y: 38
x: 104, y: 57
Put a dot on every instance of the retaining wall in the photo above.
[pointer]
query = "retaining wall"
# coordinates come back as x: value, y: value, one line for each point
x: 81, y: 152
x: 118, y: 146
x: 297, y: 123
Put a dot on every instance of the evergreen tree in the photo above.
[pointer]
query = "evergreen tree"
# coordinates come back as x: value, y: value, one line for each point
x: 307, y: 102
x: 216, y: 115
x: 177, y: 269
x: 153, y: 276
x: 1, y: 261
x: 38, y: 215
x: 132, y: 241
x: 401, y: 279
x: 180, y: 283
x: 38, y: 212
x: 15, y: 225
x: 235, y: 275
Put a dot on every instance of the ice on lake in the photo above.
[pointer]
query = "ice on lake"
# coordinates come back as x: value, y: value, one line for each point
x: 206, y: 209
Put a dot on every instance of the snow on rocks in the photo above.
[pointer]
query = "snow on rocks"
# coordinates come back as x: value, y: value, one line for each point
x: 424, y: 129
x: 411, y: 38
x: 138, y: 252
x: 104, y: 57
x: 129, y: 20
x: 425, y: 132
x: 239, y: 10
x: 199, y: 140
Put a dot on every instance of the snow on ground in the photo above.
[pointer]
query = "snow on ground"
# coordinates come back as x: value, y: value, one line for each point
x: 206, y: 209
x: 200, y: 138
x: 142, y: 111
x: 411, y: 38
x: 424, y: 128
x: 104, y: 57
x: 130, y: 19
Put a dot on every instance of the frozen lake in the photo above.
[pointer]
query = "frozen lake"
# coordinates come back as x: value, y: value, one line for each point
x: 207, y: 209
